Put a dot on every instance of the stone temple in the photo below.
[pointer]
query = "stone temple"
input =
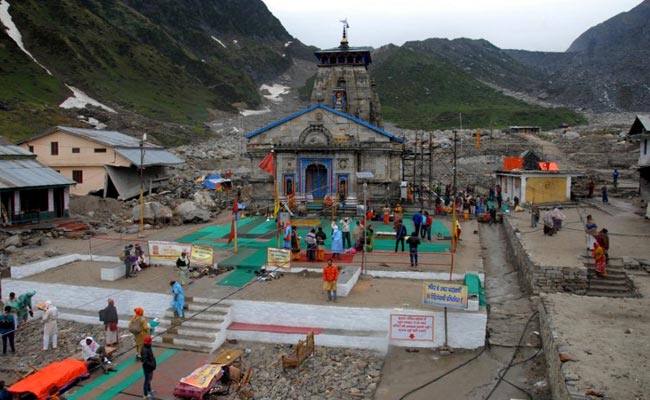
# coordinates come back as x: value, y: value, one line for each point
x: 319, y: 151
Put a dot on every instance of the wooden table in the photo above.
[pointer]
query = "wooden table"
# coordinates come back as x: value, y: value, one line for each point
x: 228, y: 357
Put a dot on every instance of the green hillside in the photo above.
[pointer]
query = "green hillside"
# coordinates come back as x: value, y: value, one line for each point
x: 28, y: 95
x: 163, y: 60
x: 420, y: 91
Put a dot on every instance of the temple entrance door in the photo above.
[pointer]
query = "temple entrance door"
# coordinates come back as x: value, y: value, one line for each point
x: 316, y: 180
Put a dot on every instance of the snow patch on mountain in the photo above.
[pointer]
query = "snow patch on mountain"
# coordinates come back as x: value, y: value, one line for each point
x: 81, y: 99
x: 14, y: 33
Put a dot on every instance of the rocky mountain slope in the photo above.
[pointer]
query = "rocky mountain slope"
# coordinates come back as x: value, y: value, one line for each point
x: 601, y: 70
x: 168, y: 67
x: 173, y: 61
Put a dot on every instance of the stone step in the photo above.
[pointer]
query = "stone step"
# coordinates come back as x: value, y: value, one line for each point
x: 195, y: 332
x: 184, y: 347
x: 608, y: 285
x: 610, y: 278
x: 598, y: 293
x: 610, y: 266
x: 612, y: 263
x: 192, y: 323
x: 604, y: 287
x: 184, y: 343
x: 198, y: 306
x: 190, y: 340
x: 198, y: 316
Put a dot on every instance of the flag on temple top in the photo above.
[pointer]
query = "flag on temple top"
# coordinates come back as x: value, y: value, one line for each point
x: 267, y: 163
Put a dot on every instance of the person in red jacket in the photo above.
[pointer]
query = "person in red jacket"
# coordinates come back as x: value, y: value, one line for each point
x: 330, y: 276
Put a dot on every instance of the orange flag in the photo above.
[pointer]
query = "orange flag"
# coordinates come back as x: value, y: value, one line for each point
x: 267, y: 163
x: 231, y: 236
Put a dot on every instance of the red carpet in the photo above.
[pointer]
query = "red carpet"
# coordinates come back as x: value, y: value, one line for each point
x: 238, y: 326
x: 345, y: 258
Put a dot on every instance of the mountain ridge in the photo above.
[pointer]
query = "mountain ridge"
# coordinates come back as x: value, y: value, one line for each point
x: 170, y: 66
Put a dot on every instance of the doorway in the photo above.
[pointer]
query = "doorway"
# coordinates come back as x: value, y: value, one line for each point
x: 316, y: 182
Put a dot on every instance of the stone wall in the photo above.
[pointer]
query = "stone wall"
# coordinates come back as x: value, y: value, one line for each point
x: 558, y: 381
x: 543, y: 278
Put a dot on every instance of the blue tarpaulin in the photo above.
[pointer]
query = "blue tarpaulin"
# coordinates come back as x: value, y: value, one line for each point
x: 212, y: 180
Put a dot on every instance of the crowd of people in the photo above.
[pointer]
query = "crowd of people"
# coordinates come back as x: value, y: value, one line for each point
x: 134, y: 260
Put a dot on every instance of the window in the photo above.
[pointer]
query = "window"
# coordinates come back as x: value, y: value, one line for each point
x: 77, y: 176
x: 342, y: 184
x: 645, y: 147
x: 54, y: 148
x: 102, y: 150
x: 288, y: 185
x: 76, y: 150
x: 30, y: 148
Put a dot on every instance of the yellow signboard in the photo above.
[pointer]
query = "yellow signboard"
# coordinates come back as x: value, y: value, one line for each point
x: 202, y: 376
x: 280, y: 258
x: 445, y: 294
x: 202, y: 255
x: 167, y: 251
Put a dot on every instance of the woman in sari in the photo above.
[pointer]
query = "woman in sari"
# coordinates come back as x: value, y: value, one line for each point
x: 295, y: 244
x: 109, y: 317
x: 591, y: 229
x: 599, y: 259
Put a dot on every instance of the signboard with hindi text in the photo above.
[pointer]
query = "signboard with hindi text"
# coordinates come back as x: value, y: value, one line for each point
x: 280, y: 258
x: 202, y: 376
x: 445, y: 294
x: 202, y: 256
x: 411, y: 327
x: 167, y: 252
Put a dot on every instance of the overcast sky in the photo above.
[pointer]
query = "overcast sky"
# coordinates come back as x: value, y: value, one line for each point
x: 543, y: 25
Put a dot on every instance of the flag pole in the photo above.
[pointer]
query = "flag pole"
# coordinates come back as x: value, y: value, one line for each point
x: 235, y: 224
x: 276, y: 199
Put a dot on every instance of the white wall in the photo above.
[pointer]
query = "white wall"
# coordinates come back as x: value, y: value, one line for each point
x: 465, y: 329
x: 23, y: 271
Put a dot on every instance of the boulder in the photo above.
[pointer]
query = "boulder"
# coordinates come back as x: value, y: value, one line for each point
x: 189, y: 212
x: 203, y: 198
x: 15, y: 241
x: 164, y: 214
x: 51, y: 253
x: 570, y: 135
x: 149, y: 212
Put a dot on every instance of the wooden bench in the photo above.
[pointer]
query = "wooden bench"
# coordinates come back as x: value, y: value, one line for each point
x: 228, y: 357
x: 303, y: 350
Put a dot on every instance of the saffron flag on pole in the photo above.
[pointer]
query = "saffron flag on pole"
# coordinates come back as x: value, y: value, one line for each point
x: 233, y: 226
x: 268, y: 164
x: 231, y: 236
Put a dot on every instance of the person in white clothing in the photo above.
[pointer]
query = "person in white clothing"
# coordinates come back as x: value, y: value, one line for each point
x: 50, y: 327
x: 345, y: 229
x: 93, y: 353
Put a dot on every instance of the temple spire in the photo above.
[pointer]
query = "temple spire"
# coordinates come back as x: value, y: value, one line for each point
x: 344, y: 39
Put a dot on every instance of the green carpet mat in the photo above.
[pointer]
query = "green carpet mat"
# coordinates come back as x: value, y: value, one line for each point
x: 246, y: 262
x: 213, y: 232
x: 238, y: 278
x: 263, y: 227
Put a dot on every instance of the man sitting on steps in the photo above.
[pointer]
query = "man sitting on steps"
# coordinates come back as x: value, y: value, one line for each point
x: 94, y: 354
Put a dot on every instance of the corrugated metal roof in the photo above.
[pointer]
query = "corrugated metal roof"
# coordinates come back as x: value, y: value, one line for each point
x: 109, y: 138
x: 151, y: 156
x: 645, y: 121
x: 28, y: 174
x: 12, y: 150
